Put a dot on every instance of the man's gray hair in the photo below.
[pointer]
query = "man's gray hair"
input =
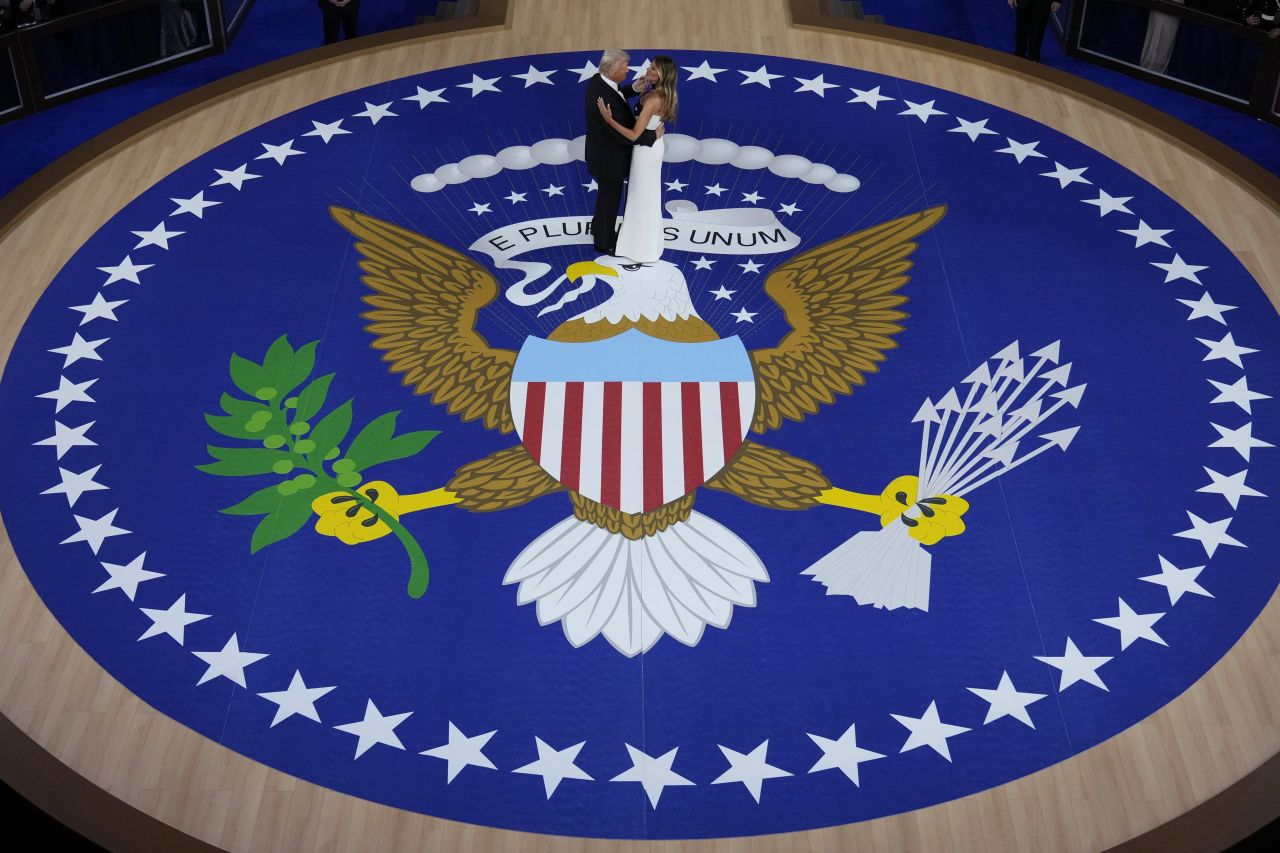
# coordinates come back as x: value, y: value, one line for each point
x: 610, y: 59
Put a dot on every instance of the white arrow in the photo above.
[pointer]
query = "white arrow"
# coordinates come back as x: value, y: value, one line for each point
x: 1009, y: 353
x: 981, y: 376
x: 929, y: 415
x: 1050, y: 352
x: 1060, y: 439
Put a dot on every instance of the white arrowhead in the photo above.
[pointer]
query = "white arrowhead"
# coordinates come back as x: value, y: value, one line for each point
x: 1009, y: 353
x: 988, y: 405
x: 982, y: 375
x: 1050, y: 352
x: 992, y: 426
x: 926, y: 413
x: 1071, y: 395
x: 1062, y: 437
x: 1003, y: 453
x: 949, y: 402
x: 1059, y: 375
x: 1015, y: 369
x: 1030, y: 411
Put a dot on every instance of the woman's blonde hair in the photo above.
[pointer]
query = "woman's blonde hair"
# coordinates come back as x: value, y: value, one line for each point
x: 666, y: 87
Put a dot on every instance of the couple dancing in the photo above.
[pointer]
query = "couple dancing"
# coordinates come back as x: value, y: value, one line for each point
x: 621, y: 144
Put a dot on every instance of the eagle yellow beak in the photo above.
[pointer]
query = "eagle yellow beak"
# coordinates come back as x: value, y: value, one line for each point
x: 581, y: 268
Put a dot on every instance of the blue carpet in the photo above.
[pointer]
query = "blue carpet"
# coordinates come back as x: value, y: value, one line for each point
x: 771, y: 659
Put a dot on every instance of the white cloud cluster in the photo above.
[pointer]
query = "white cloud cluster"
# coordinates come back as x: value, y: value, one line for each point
x: 679, y: 149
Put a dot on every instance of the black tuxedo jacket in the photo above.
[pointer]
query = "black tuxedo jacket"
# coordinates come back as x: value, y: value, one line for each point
x: 608, y: 154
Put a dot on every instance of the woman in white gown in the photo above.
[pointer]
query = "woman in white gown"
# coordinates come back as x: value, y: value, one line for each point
x: 640, y: 239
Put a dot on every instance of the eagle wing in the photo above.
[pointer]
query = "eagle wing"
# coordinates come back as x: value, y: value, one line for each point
x: 841, y: 300
x: 424, y: 303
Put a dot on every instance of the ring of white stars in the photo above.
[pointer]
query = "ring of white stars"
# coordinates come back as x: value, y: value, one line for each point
x: 655, y: 774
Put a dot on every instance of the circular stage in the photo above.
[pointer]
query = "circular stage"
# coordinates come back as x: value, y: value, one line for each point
x: 918, y: 494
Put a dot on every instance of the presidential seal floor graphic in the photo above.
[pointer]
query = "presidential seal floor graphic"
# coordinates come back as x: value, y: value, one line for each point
x: 934, y: 451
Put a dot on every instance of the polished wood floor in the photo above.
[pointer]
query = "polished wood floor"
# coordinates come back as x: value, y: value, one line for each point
x: 61, y: 709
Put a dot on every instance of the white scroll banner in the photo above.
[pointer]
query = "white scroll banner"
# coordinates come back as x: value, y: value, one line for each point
x: 731, y: 231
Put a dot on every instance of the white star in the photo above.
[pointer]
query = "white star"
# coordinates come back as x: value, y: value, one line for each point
x: 554, y: 766
x: 74, y: 485
x: 375, y: 729
x: 126, y: 270
x: 843, y: 754
x: 377, y: 112
x: 815, y: 85
x: 1226, y: 348
x: 1076, y: 667
x: 1133, y: 626
x: 744, y: 316
x: 928, y: 730
x: 327, y: 131
x: 1006, y: 701
x: 723, y: 293
x: 235, y: 177
x: 586, y: 72
x: 1145, y: 234
x: 99, y: 309
x: 69, y: 392
x: 750, y: 769
x: 870, y: 97
x: 157, y: 236
x: 1210, y: 534
x: 1020, y: 150
x: 676, y: 186
x: 195, y: 205
x: 95, y: 531
x: 1065, y: 177
x: 702, y: 263
x: 1178, y: 269
x: 1206, y: 307
x: 653, y: 774
x: 279, y: 153
x: 479, y: 208
x: 1178, y: 581
x: 127, y: 577
x: 761, y: 75
x: 1240, y: 440
x: 750, y: 266
x: 591, y: 185
x: 297, y: 698
x: 1231, y: 487
x: 752, y: 197
x: 515, y: 197
x: 462, y: 751
x: 64, y: 438
x: 971, y: 129
x: 789, y: 209
x: 79, y: 348
x: 533, y: 75
x: 920, y: 111
x: 1237, y: 392
x: 229, y: 662
x: 701, y: 72
x: 172, y: 621
x: 552, y: 189
x: 1108, y: 203
x: 715, y: 190
x: 639, y: 71
x: 480, y: 84
x: 425, y: 97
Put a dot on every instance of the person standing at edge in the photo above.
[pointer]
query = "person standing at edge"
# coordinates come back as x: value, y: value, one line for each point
x: 1032, y: 16
x: 608, y: 153
x: 339, y: 12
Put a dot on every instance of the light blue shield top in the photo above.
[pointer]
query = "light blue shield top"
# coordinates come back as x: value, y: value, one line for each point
x: 633, y: 356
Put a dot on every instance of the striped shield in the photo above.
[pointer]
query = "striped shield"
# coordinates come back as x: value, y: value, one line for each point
x: 632, y: 422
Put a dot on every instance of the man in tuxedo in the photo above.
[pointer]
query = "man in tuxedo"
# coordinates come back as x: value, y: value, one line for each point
x: 1032, y: 16
x: 608, y: 154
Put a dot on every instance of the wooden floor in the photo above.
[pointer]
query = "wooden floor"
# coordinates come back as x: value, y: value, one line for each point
x: 1218, y: 733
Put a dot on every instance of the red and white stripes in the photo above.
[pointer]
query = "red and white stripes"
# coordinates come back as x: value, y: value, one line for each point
x: 632, y: 445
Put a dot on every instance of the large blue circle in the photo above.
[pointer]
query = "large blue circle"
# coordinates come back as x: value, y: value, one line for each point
x: 1050, y: 548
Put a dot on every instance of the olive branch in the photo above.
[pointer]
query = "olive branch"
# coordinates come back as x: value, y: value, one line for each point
x: 292, y: 447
